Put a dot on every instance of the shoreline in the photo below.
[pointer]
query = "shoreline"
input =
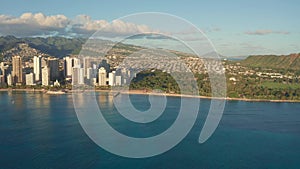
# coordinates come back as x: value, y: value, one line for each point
x: 141, y: 92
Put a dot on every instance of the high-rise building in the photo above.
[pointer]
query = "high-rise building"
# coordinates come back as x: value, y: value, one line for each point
x: 4, y: 69
x: 77, y: 62
x: 89, y: 73
x: 45, y: 76
x: 17, y: 73
x: 86, y: 65
x: 94, y: 66
x: 30, y: 79
x: 44, y: 62
x: 112, y: 78
x: 102, y: 76
x: 81, y: 76
x: 127, y: 75
x: 77, y: 76
x: 68, y: 66
x: 94, y: 81
x: 118, y: 80
x: 1, y: 65
x: 89, y: 62
x: 2, y: 80
x: 53, y: 66
x: 37, y: 67
x: 9, y: 80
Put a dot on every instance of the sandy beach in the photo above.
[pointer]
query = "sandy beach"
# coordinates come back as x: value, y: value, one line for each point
x: 142, y: 92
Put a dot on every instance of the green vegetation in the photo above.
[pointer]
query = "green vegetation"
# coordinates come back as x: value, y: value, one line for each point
x: 283, y: 86
x: 54, y: 46
x: 287, y: 62
x: 156, y: 80
x: 263, y: 89
x: 247, y: 87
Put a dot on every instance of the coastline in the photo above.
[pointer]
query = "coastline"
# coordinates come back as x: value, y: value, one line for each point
x: 208, y: 97
x: 141, y: 92
x: 23, y: 90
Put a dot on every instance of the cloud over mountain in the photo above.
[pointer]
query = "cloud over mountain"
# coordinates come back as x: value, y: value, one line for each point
x: 38, y: 24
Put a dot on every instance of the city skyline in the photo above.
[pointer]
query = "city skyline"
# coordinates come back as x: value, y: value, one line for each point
x: 235, y: 28
x: 149, y: 84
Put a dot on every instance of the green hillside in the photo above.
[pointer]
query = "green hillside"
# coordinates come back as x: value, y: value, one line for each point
x: 291, y: 61
x: 54, y: 46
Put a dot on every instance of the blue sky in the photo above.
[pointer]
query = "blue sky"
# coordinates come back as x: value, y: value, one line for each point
x: 235, y: 27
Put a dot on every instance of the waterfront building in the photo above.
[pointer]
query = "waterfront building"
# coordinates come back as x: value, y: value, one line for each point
x: 112, y: 78
x: 77, y: 62
x: 118, y: 80
x: 30, y: 79
x: 94, y: 80
x: 89, y: 73
x: 53, y: 66
x: 68, y: 66
x: 37, y: 67
x: 102, y: 76
x: 45, y: 76
x: 17, y: 73
x: 2, y: 79
x: 5, y: 70
x: 9, y: 80
x: 77, y: 76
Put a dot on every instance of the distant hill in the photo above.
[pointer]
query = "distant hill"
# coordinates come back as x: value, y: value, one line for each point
x: 53, y: 46
x: 291, y: 61
x: 22, y: 49
x: 61, y: 46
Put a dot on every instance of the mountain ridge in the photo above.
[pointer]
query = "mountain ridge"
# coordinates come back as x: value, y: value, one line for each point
x: 53, y: 46
x: 291, y: 61
x: 61, y: 46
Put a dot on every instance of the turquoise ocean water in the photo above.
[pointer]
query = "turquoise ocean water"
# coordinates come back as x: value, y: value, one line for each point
x: 42, y: 131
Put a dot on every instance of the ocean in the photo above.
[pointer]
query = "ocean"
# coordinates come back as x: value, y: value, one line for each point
x: 42, y: 131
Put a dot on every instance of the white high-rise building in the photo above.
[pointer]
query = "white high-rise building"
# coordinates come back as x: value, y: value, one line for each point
x: 68, y: 66
x: 4, y: 70
x: 112, y: 78
x: 118, y: 80
x: 37, y: 67
x: 77, y: 62
x: 45, y: 76
x: 30, y: 79
x: 81, y: 76
x: 77, y: 76
x: 2, y: 79
x: 89, y: 73
x: 94, y: 81
x: 9, y: 80
x: 87, y: 63
x: 102, y: 76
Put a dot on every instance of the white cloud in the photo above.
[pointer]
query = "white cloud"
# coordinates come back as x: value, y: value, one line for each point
x: 36, y: 19
x: 38, y: 24
x: 266, y: 32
